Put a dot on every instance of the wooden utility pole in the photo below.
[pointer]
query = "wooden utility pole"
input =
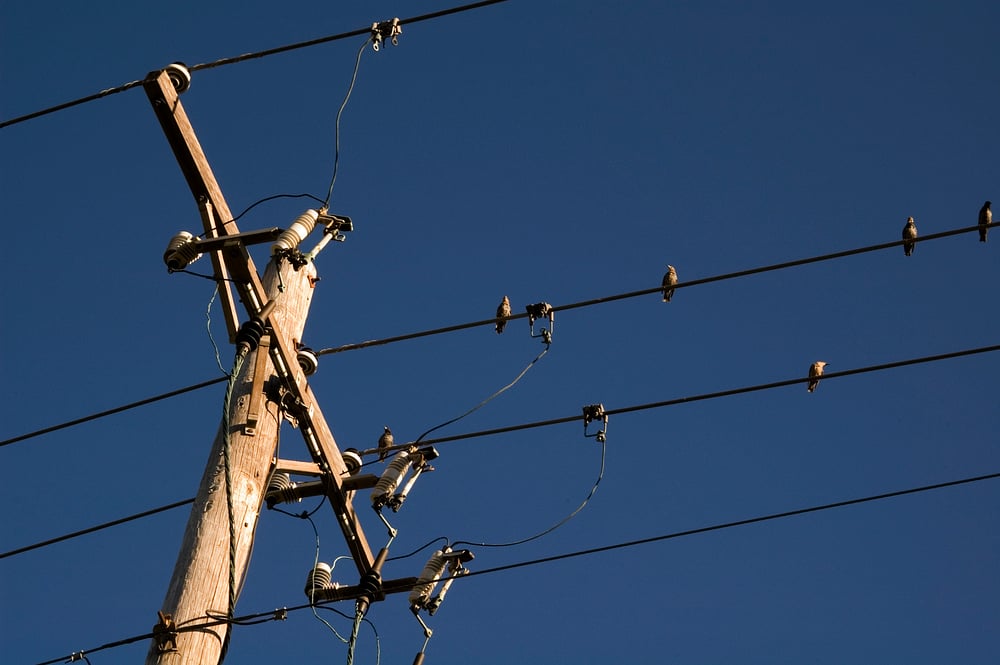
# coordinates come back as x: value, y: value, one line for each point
x: 199, y: 589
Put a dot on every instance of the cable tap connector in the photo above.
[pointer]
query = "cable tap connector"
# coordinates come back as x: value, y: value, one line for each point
x: 390, y: 30
x: 542, y: 310
x: 590, y: 414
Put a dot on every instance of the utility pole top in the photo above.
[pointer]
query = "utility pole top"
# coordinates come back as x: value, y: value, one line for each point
x: 280, y: 301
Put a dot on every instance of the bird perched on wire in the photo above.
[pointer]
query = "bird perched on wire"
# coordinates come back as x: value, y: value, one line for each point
x: 909, y: 236
x: 503, y: 313
x: 385, y: 442
x: 669, y: 282
x: 985, y: 219
x: 816, y: 371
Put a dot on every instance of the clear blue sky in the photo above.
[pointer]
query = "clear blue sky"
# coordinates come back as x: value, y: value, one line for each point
x: 557, y: 152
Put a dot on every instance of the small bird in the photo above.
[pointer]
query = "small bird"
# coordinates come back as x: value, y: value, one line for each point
x: 816, y: 371
x: 909, y: 236
x: 503, y: 313
x: 669, y: 282
x: 384, y: 443
x: 985, y: 219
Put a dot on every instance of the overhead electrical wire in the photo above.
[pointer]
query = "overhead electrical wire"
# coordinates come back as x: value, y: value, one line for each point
x: 117, y: 409
x: 644, y: 292
x: 281, y: 614
x: 99, y: 527
x: 492, y: 321
x: 586, y: 500
x: 707, y: 396
x: 246, y: 56
x: 610, y: 412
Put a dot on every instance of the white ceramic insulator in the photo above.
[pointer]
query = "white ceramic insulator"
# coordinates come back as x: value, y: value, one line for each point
x: 296, y: 232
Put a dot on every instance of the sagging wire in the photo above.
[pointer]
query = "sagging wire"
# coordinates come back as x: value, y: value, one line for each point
x: 281, y: 614
x: 312, y: 590
x: 378, y: 642
x: 208, y: 328
x: 340, y: 112
x: 604, y: 446
x: 419, y: 549
x: 488, y: 399
x: 271, y: 198
x: 472, y: 410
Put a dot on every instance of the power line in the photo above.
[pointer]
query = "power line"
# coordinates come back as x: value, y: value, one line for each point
x: 246, y: 56
x: 109, y: 412
x: 609, y: 412
x: 280, y: 614
x: 492, y: 321
x: 730, y: 525
x: 99, y: 527
x: 705, y: 396
x: 645, y: 292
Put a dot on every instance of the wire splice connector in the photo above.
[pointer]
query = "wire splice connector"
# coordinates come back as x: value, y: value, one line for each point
x: 594, y: 412
x: 390, y: 30
x: 541, y: 310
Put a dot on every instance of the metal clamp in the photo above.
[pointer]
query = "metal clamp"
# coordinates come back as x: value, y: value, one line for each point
x: 390, y: 30
x: 165, y: 633
x: 541, y: 310
x: 594, y: 412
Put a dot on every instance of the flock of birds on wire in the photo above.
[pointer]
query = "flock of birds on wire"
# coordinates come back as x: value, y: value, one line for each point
x: 668, y: 287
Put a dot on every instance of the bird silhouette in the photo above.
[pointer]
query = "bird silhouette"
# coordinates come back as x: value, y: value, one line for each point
x: 816, y: 371
x: 909, y: 236
x: 384, y: 443
x: 503, y: 313
x: 669, y: 282
x: 985, y: 219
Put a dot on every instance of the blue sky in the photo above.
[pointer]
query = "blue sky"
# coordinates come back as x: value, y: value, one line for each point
x: 556, y: 152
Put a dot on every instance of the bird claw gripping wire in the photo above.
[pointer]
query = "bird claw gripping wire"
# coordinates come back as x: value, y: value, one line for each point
x: 390, y: 30
x: 595, y: 412
x: 541, y: 310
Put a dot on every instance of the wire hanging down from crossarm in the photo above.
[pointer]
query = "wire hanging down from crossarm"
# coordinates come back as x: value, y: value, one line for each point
x: 645, y: 292
x: 281, y: 614
x: 247, y: 56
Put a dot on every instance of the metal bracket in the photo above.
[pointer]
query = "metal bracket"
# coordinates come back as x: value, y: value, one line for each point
x: 257, y: 392
x: 386, y: 30
x: 594, y: 412
x: 165, y: 633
